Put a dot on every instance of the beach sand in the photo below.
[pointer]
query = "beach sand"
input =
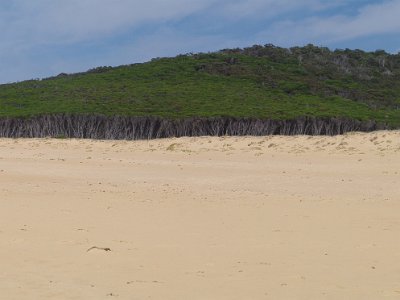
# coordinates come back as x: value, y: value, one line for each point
x: 201, y: 218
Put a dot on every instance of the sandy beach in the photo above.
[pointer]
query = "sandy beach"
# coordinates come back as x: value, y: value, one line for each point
x: 201, y: 218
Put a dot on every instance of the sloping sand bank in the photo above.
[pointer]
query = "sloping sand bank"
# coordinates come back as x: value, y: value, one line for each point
x: 201, y: 218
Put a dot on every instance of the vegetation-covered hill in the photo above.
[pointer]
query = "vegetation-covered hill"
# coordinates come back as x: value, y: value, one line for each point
x: 260, y: 82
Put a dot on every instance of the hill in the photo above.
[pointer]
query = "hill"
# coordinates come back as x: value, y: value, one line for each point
x: 259, y: 83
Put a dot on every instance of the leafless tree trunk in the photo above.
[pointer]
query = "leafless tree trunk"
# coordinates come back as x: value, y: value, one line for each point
x: 134, y: 128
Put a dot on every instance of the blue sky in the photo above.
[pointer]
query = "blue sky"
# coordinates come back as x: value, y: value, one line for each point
x: 40, y: 38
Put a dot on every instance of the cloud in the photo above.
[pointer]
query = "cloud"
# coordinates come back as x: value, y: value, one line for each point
x: 60, y: 21
x: 25, y: 22
x: 273, y: 8
x: 373, y: 19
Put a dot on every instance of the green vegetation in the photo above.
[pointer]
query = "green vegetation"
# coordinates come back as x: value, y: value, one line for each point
x: 264, y: 82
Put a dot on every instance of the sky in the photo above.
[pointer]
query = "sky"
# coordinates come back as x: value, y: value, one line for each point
x: 41, y: 38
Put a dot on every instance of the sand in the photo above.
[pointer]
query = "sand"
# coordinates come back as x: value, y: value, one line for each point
x: 201, y: 218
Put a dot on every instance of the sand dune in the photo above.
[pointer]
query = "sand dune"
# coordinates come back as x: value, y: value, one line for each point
x: 201, y: 218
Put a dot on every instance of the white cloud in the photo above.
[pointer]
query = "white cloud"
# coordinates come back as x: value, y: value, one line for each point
x: 273, y: 8
x: 27, y: 22
x: 373, y: 19
x: 370, y: 20
x: 60, y: 21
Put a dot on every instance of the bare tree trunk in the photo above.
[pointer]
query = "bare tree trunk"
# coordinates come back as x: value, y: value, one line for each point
x: 135, y: 128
